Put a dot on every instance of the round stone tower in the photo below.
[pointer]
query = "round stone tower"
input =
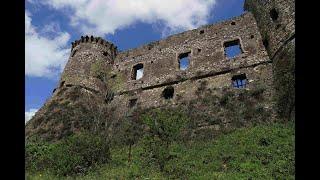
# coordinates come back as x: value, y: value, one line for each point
x: 276, y: 22
x: 89, y: 60
x: 78, y: 103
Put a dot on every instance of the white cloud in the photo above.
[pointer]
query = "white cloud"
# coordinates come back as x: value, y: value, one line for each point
x: 44, y: 56
x: 101, y: 17
x: 28, y: 115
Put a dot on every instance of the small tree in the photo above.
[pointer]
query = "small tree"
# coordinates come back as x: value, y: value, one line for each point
x: 99, y: 115
x: 165, y: 126
x: 132, y: 131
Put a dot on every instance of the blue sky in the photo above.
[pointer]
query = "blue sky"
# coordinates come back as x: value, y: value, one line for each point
x: 51, y: 26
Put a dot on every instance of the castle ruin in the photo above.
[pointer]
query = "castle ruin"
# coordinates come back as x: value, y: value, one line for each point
x: 169, y: 71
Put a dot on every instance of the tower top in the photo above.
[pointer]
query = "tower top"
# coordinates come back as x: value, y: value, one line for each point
x: 92, y: 39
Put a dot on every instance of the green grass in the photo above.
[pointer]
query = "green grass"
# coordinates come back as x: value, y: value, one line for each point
x: 260, y: 152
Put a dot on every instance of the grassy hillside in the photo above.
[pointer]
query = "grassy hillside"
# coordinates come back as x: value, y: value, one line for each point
x: 260, y: 152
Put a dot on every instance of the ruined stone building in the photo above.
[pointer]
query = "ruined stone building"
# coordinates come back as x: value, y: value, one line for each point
x: 169, y: 71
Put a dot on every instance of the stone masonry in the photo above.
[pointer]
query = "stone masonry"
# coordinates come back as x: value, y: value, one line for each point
x: 276, y: 22
x: 96, y: 66
x: 161, y: 63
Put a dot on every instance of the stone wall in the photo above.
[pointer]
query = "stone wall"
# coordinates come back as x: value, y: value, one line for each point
x: 207, y: 61
x: 190, y: 89
x: 207, y: 53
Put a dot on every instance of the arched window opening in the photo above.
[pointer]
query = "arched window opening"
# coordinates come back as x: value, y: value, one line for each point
x: 184, y: 60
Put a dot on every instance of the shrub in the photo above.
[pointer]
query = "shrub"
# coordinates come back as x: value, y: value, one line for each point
x: 226, y: 98
x: 36, y: 155
x: 130, y: 132
x: 257, y: 92
x: 166, y: 123
x: 75, y: 154
x: 165, y: 127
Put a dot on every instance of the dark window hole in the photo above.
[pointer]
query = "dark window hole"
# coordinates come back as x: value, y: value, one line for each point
x: 113, y: 76
x: 265, y: 43
x: 105, y: 53
x: 274, y: 14
x: 168, y: 92
x: 132, y: 102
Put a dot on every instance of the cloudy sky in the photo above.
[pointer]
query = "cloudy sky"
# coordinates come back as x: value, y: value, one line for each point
x: 51, y: 26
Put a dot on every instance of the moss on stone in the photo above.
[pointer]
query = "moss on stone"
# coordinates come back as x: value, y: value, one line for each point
x: 117, y: 83
x: 99, y: 70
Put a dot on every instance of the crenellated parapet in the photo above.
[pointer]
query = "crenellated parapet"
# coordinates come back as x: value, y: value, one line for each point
x: 96, y: 40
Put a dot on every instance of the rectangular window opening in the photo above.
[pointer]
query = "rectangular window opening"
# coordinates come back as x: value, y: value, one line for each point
x: 137, y: 72
x: 232, y: 48
x: 184, y: 60
x: 239, y: 81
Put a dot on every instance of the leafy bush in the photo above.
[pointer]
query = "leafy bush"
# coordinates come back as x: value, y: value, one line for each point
x: 36, y: 155
x: 165, y: 127
x: 75, y: 154
x: 258, y: 91
x: 166, y: 123
x: 129, y: 133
